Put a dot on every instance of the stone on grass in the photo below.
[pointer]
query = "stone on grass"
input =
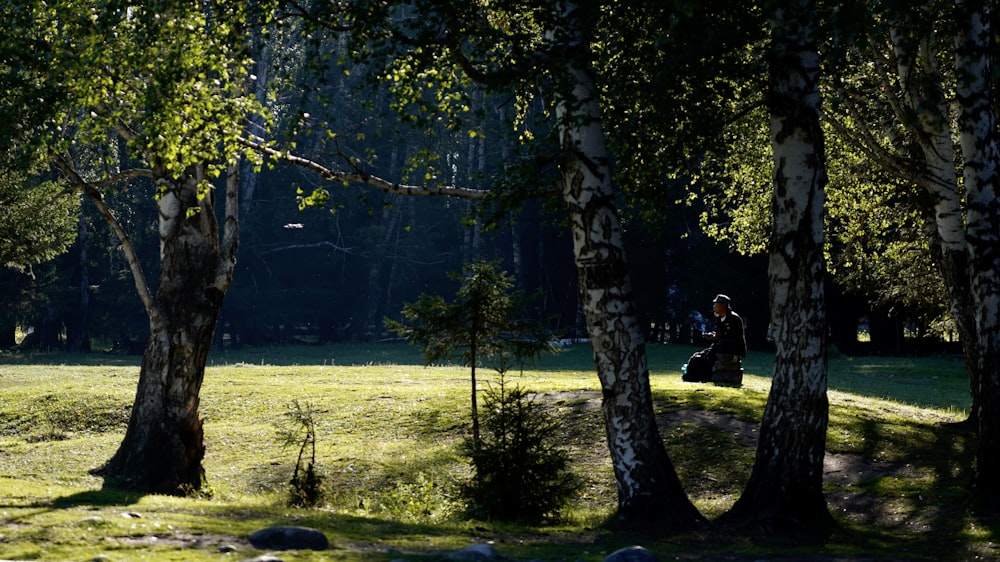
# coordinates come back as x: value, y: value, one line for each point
x: 475, y: 553
x: 631, y: 554
x: 289, y: 538
x: 264, y: 558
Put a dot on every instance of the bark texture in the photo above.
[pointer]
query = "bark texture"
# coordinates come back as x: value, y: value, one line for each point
x: 164, y: 446
x: 981, y: 155
x: 784, y: 495
x: 648, y: 487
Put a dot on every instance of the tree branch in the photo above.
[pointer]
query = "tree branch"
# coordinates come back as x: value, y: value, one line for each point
x: 301, y: 11
x: 864, y: 141
x: 93, y: 192
x: 305, y: 246
x: 358, y: 176
x: 120, y: 176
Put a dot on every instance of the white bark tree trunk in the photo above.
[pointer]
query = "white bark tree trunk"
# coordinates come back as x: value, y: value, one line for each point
x: 785, y: 492
x: 648, y: 487
x: 921, y: 82
x: 981, y: 155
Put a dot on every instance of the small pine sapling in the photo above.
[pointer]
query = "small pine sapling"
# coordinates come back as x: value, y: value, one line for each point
x: 299, y: 429
x: 519, y: 474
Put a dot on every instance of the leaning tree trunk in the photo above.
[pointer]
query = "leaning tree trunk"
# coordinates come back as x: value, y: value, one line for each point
x: 648, y: 487
x: 163, y: 446
x: 921, y: 82
x: 981, y: 154
x: 784, y: 495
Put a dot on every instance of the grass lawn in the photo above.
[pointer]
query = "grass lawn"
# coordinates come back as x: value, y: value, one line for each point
x: 387, y: 435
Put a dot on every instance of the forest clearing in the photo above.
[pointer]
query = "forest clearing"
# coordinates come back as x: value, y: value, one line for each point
x: 387, y: 435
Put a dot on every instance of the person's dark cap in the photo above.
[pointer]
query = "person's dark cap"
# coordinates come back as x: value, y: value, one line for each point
x: 721, y: 298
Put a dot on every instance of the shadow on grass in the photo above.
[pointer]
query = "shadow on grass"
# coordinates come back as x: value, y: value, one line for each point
x: 106, y: 497
x: 911, y: 494
x: 902, y: 491
x: 91, y: 499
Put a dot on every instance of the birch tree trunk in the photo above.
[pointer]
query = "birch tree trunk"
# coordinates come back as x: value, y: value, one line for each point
x: 784, y: 495
x: 648, y: 487
x: 163, y: 446
x: 921, y: 82
x: 981, y: 155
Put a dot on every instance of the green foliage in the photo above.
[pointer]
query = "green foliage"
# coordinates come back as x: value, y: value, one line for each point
x: 420, y: 499
x: 676, y: 77
x: 877, y: 237
x: 298, y: 429
x: 520, y: 474
x: 735, y: 186
x: 876, y: 245
x: 167, y: 78
x: 37, y: 220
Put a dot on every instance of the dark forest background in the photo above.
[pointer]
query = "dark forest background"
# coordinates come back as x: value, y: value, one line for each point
x: 331, y: 274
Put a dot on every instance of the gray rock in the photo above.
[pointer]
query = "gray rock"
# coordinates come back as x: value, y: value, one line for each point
x: 631, y: 554
x: 289, y: 538
x: 264, y: 558
x: 475, y: 553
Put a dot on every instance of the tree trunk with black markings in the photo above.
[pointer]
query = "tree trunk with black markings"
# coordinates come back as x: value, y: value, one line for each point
x: 649, y: 490
x: 981, y: 154
x: 784, y: 495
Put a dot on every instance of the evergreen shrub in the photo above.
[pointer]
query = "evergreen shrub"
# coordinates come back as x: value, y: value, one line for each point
x: 518, y: 472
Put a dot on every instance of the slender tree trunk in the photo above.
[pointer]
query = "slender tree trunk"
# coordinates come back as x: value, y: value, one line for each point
x: 981, y: 154
x: 648, y: 487
x: 79, y: 341
x: 921, y: 80
x: 379, y: 255
x: 784, y: 495
x: 248, y: 172
x: 473, y: 347
x: 408, y: 215
x: 163, y: 446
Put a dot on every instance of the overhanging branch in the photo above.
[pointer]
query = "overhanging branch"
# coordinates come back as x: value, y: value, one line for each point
x: 358, y: 176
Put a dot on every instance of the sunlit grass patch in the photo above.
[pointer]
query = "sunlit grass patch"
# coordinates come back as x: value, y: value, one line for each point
x: 387, y: 435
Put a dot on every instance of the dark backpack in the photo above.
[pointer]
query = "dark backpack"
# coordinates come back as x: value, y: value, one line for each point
x: 698, y: 368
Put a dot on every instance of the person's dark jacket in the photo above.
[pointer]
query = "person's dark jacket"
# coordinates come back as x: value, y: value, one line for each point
x: 729, y: 333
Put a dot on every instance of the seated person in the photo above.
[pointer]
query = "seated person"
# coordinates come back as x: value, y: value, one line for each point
x: 728, y: 340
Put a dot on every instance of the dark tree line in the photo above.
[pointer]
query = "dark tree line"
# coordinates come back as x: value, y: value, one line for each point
x: 315, y: 276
